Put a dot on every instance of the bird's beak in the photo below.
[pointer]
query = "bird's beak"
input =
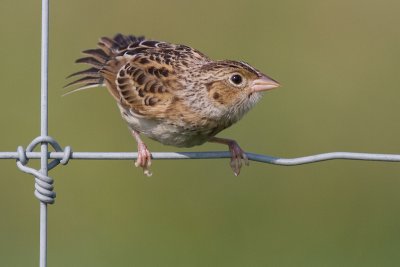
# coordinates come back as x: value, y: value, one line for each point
x: 263, y: 84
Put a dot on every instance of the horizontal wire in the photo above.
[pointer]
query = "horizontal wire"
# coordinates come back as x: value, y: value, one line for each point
x: 211, y: 155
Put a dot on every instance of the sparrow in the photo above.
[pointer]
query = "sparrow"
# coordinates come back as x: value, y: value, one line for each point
x: 172, y: 93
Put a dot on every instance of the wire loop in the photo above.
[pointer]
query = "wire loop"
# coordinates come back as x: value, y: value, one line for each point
x: 43, y: 183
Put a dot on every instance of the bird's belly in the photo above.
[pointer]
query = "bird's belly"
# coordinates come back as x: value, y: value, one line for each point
x: 167, y: 132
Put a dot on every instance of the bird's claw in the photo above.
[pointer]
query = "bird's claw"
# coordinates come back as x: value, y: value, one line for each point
x: 237, y: 155
x: 144, y: 159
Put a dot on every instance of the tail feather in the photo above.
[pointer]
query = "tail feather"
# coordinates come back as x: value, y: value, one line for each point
x: 90, y: 60
x: 92, y: 72
x: 83, y: 87
x: 106, y: 44
x: 98, y: 54
x: 86, y: 79
x: 98, y: 59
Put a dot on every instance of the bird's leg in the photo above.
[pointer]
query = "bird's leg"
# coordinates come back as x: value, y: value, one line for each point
x: 237, y: 154
x: 144, y: 156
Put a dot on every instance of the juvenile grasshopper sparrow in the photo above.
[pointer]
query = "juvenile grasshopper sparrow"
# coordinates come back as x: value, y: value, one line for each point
x: 173, y: 93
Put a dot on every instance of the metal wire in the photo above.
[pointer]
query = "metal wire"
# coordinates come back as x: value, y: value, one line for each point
x: 43, y: 183
x: 43, y: 133
x: 63, y: 157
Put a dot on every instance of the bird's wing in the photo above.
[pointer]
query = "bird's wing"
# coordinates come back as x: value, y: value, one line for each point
x: 143, y: 75
x: 148, y: 76
x: 147, y: 87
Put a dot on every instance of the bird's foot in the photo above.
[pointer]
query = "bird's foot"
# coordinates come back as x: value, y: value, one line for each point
x: 144, y: 159
x: 237, y: 156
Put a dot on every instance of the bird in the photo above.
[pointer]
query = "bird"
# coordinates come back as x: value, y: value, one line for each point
x: 172, y: 93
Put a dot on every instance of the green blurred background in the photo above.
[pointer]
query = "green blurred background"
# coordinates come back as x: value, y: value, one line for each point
x: 339, y: 65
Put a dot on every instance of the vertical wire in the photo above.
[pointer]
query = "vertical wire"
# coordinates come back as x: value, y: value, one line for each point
x: 44, y: 128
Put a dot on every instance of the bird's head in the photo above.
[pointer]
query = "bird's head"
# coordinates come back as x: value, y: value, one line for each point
x: 235, y: 87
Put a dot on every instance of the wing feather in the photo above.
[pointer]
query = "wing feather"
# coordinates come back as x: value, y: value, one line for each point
x: 146, y: 88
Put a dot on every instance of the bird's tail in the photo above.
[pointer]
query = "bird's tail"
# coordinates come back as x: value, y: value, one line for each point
x: 98, y: 59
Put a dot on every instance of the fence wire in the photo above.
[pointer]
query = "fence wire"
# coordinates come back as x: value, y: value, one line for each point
x: 202, y: 155
x: 44, y: 184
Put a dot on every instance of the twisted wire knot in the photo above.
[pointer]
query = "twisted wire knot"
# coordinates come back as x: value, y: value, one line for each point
x: 43, y: 183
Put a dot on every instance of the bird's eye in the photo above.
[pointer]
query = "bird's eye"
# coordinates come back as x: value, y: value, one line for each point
x: 236, y: 79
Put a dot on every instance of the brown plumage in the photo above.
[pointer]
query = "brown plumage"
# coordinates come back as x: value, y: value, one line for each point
x: 173, y: 93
